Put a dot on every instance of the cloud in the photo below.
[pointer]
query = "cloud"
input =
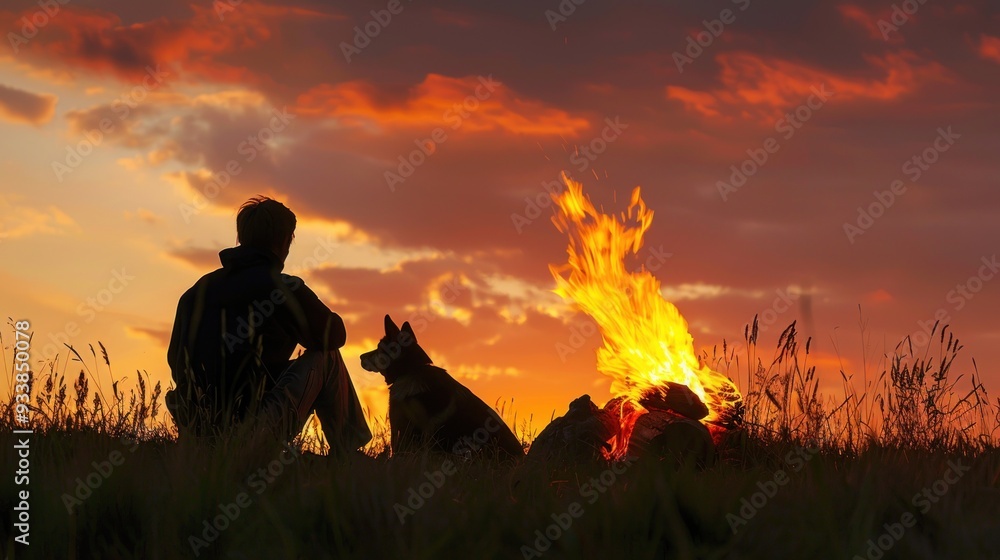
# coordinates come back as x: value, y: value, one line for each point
x: 765, y: 87
x: 693, y: 291
x: 199, y: 258
x: 190, y: 129
x: 128, y: 129
x: 876, y: 24
x: 159, y: 335
x: 438, y: 285
x: 858, y: 15
x: 18, y: 220
x: 703, y: 103
x: 475, y: 103
x: 335, y: 171
x: 17, y: 105
x: 144, y: 215
x: 989, y: 48
x: 101, y: 42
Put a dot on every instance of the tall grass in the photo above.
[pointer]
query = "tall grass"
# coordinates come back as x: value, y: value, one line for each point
x: 915, y: 401
x: 879, y: 444
x: 135, y: 414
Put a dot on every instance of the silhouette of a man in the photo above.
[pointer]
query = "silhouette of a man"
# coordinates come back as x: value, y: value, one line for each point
x: 235, y: 331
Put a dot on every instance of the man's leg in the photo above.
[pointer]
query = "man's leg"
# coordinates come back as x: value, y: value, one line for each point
x: 318, y: 380
x: 339, y: 408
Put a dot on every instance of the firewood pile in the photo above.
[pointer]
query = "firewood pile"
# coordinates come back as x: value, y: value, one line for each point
x: 665, y: 426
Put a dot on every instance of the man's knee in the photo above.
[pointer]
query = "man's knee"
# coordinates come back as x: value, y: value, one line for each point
x: 330, y: 360
x: 309, y: 359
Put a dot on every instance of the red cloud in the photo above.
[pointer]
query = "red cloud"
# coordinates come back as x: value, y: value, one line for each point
x: 474, y: 103
x: 17, y: 105
x: 100, y: 42
x: 867, y: 20
x: 989, y: 48
x: 700, y: 102
x: 766, y: 86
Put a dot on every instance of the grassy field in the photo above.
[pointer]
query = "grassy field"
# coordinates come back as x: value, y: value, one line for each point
x: 906, y: 466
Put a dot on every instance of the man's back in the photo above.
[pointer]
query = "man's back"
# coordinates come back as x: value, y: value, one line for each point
x: 234, y: 333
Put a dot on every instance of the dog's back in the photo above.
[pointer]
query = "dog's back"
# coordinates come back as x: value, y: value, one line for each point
x: 428, y: 407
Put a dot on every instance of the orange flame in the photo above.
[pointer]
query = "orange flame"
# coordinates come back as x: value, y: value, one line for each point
x: 646, y: 340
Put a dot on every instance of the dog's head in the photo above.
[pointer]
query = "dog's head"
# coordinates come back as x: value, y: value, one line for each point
x: 397, y: 352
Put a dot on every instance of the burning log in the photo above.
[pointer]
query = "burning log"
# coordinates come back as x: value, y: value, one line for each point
x: 587, y: 433
x: 582, y: 435
x: 674, y: 397
x: 666, y: 435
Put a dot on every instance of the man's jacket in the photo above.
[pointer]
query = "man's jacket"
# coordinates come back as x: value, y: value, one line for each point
x: 234, y: 333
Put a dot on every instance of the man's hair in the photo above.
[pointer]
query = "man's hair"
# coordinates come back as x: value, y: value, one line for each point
x: 264, y: 223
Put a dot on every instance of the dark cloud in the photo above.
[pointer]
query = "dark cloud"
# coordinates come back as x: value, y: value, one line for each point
x: 201, y: 258
x: 17, y: 105
x: 160, y: 336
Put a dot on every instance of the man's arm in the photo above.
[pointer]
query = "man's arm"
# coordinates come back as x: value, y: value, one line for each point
x: 176, y: 400
x: 190, y: 307
x: 175, y: 348
x: 322, y: 329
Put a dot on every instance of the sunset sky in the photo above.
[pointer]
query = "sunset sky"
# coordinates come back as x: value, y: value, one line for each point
x: 411, y: 142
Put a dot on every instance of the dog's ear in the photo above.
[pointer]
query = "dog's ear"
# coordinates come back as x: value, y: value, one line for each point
x: 415, y: 354
x: 390, y: 328
x: 409, y: 330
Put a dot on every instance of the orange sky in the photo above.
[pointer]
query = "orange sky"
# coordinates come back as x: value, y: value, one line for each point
x: 131, y: 132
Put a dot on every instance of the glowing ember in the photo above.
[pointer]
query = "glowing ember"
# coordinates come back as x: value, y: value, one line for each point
x: 646, y: 340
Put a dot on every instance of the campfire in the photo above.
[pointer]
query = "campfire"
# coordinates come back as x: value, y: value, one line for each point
x: 664, y: 400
